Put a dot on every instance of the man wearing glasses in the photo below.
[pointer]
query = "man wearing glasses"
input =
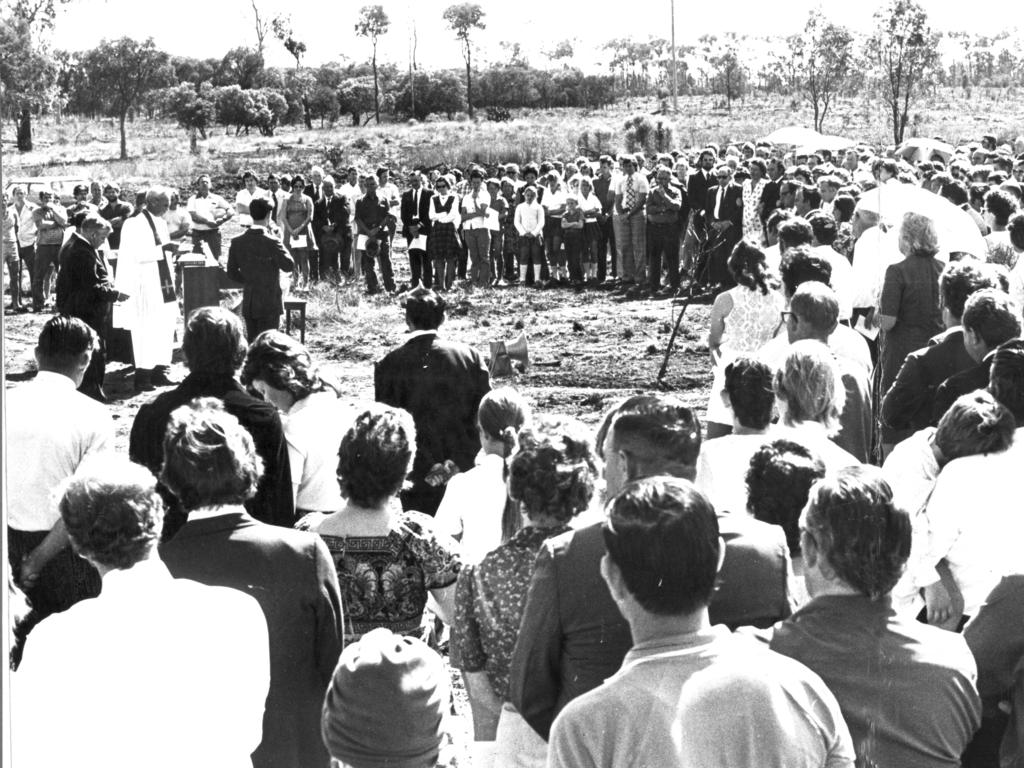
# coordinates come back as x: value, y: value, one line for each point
x: 723, y: 211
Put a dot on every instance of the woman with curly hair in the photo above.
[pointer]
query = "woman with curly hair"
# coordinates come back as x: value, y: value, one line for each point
x: 314, y: 419
x: 388, y: 559
x: 743, y: 319
x: 552, y: 477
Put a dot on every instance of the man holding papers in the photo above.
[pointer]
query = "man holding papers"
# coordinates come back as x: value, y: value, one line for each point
x: 145, y: 274
x: 416, y: 228
x: 256, y: 259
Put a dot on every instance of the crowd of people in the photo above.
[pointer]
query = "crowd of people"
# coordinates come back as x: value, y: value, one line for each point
x: 823, y: 573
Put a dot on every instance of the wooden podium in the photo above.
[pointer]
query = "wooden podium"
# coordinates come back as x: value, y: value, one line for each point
x: 200, y: 283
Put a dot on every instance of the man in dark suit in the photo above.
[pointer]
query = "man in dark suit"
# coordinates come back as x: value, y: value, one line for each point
x: 772, y: 190
x: 440, y: 383
x: 415, y: 214
x: 990, y: 319
x: 256, y: 259
x: 697, y: 185
x: 289, y: 573
x: 331, y: 216
x: 314, y: 190
x: 572, y: 635
x: 214, y: 348
x: 86, y: 290
x: 907, y: 406
x: 723, y: 211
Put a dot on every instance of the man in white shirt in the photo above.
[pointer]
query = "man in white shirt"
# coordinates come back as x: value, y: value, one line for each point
x: 630, y: 222
x: 51, y: 430
x: 145, y: 275
x: 973, y: 514
x: 473, y: 208
x: 156, y: 671
x: 689, y: 693
x: 208, y: 212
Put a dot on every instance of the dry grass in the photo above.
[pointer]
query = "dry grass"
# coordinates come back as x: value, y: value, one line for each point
x: 159, y: 149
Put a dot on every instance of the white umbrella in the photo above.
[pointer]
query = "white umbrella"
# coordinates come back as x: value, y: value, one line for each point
x: 957, y: 230
x: 795, y: 135
x: 917, y: 149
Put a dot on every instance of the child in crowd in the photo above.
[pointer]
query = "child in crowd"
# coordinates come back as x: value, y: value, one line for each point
x: 572, y: 237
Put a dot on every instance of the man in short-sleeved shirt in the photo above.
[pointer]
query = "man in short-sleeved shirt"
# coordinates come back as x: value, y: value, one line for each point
x: 208, y: 211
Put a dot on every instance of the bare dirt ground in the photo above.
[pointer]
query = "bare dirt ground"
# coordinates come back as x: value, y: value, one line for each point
x: 586, y: 350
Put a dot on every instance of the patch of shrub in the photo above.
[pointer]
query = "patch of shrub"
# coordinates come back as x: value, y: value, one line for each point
x: 498, y: 114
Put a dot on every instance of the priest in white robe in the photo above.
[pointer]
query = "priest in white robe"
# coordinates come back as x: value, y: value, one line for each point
x: 151, y: 311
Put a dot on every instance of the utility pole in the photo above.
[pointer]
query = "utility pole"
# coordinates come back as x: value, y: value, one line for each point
x: 675, y: 84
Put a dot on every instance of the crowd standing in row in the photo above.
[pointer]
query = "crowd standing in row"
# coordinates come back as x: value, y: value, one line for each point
x: 759, y: 595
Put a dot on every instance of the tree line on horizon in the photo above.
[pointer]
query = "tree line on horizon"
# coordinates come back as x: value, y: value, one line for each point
x: 824, y: 61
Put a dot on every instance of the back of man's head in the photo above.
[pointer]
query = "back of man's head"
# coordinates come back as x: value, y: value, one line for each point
x: 214, y: 341
x: 424, y: 309
x: 959, y: 280
x: 662, y: 536
x: 748, y: 384
x: 799, y: 266
x: 659, y: 435
x: 991, y: 316
x: 260, y: 208
x: 823, y: 225
x: 862, y: 538
x: 818, y: 309
x: 62, y: 344
x: 796, y: 231
x: 1006, y: 378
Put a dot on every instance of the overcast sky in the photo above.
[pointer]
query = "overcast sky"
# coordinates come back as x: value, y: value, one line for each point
x: 208, y: 28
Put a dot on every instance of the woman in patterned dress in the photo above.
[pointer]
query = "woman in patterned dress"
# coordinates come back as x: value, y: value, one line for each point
x: 552, y: 476
x: 743, y: 319
x: 753, y: 188
x: 387, y: 559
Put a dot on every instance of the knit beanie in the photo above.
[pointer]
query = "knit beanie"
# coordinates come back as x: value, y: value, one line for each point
x: 386, y: 703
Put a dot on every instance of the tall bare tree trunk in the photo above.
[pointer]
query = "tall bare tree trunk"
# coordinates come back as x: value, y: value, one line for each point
x: 469, y: 88
x: 25, y: 130
x: 124, y: 141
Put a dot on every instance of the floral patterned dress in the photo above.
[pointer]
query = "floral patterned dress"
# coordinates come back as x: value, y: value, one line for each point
x: 385, y: 579
x: 752, y: 230
x: 489, y: 602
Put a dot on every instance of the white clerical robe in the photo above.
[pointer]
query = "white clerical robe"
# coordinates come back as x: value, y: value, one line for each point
x: 150, y: 320
x: 155, y: 671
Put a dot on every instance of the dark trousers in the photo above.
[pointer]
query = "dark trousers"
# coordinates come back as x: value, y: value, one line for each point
x: 254, y: 326
x: 209, y: 236
x: 46, y: 259
x: 463, y: 260
x: 330, y: 256
x: 64, y: 581
x: 14, y: 268
x: 386, y: 274
x: 419, y: 268
x: 531, y: 256
x: 92, y: 380
x: 573, y: 242
x: 606, y: 243
x: 663, y: 241
x: 497, y: 270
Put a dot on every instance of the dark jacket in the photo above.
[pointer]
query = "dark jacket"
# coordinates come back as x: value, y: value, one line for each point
x: 440, y: 383
x: 958, y: 384
x: 731, y: 209
x: 697, y: 189
x: 421, y: 216
x: 572, y: 635
x: 273, y: 501
x: 910, y: 400
x: 292, y: 577
x: 331, y: 217
x: 256, y: 259
x: 84, y: 288
x: 770, y: 198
